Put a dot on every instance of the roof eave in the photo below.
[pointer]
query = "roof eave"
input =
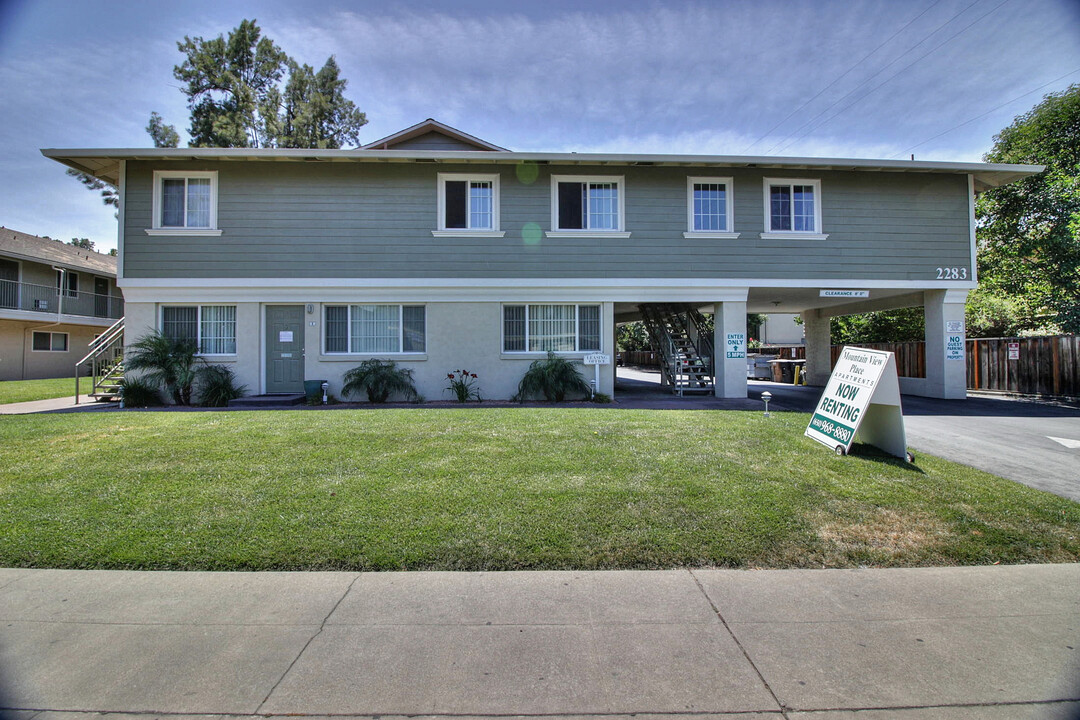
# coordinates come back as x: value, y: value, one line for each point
x: 103, y: 163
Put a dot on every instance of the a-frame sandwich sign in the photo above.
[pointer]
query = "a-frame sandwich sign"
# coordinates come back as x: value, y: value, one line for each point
x: 862, y: 398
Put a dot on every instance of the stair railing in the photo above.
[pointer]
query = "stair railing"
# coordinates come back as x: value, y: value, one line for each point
x: 106, y: 351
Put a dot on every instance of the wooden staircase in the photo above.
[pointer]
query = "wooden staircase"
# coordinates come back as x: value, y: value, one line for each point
x: 105, y: 361
x: 679, y: 333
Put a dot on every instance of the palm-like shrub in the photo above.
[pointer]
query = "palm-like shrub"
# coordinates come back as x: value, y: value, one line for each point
x: 379, y: 379
x: 136, y: 392
x: 217, y: 385
x: 165, y: 362
x: 554, y: 377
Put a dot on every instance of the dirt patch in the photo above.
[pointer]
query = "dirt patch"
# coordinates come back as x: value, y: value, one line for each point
x: 882, y: 534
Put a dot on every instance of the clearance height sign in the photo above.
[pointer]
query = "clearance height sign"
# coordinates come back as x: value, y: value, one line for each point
x: 862, y: 397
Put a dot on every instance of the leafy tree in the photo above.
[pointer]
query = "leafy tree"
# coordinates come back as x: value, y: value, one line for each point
x: 632, y: 336
x: 164, y: 136
x: 754, y: 321
x: 227, y: 82
x: 1028, y: 231
x: 234, y: 95
x: 315, y: 112
x: 881, y: 326
x: 84, y: 243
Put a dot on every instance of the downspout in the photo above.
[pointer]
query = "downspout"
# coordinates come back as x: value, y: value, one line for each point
x: 30, y: 330
x: 59, y: 301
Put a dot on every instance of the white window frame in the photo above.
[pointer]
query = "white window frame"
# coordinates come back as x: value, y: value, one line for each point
x: 156, y: 228
x: 577, y: 328
x: 620, y: 186
x: 348, y: 331
x: 770, y: 234
x: 727, y: 233
x: 443, y: 231
x: 198, y: 325
x: 67, y: 341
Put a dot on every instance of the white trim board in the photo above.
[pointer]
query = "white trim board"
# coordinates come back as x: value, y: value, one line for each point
x: 426, y: 283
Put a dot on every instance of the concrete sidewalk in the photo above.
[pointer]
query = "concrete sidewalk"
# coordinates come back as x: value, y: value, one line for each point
x: 986, y: 642
x: 64, y: 404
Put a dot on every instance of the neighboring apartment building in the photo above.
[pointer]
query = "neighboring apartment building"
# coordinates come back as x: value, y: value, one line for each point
x: 445, y: 252
x: 54, y: 299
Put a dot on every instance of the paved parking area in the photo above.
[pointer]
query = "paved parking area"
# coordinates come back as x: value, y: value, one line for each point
x: 1034, y: 443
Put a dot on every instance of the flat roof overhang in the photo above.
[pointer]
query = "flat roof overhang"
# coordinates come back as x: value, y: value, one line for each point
x: 105, y: 163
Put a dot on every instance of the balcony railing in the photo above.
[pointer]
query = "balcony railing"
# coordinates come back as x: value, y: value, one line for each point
x: 46, y: 299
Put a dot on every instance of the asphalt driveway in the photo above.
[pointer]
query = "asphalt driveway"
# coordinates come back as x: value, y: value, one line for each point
x: 1034, y: 443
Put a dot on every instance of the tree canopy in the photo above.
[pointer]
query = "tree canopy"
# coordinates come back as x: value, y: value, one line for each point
x: 1028, y: 232
x: 233, y: 87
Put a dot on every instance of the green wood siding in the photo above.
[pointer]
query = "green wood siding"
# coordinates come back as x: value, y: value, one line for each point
x: 368, y: 220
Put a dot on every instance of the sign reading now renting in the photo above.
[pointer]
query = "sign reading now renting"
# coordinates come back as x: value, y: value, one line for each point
x: 862, y: 396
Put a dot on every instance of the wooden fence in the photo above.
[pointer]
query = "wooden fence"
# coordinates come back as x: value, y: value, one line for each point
x: 910, y: 356
x: 1045, y: 365
x: 1048, y: 365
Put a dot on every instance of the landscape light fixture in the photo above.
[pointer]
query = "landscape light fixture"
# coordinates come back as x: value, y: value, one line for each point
x: 765, y: 398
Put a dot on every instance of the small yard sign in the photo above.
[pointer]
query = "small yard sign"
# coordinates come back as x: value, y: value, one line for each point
x: 597, y: 359
x: 863, y: 396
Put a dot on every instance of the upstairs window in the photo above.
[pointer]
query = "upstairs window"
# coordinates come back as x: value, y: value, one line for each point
x: 710, y: 205
x: 211, y: 328
x: 792, y: 206
x: 468, y: 204
x: 185, y: 202
x: 374, y: 329
x: 587, y: 204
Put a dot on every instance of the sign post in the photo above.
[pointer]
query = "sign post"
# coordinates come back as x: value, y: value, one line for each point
x: 596, y: 360
x: 862, y: 397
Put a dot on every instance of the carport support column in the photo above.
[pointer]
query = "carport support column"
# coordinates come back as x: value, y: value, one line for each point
x: 729, y: 346
x: 946, y: 364
x: 816, y: 328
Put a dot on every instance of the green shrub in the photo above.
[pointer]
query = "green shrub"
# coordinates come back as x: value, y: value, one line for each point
x: 137, y: 392
x: 554, y: 377
x: 380, y: 379
x: 165, y: 362
x: 217, y: 386
x: 601, y: 398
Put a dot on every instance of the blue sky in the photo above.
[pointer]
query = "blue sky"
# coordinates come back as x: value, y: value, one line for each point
x: 843, y: 78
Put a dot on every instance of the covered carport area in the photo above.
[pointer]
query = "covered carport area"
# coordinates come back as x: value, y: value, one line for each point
x: 943, y: 308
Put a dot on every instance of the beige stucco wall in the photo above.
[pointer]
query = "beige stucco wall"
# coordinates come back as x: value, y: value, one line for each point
x: 19, y: 361
x: 459, y: 336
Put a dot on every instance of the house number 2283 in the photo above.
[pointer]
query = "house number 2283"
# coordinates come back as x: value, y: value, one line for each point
x: 952, y: 273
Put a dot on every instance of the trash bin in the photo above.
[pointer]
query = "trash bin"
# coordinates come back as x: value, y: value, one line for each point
x: 313, y: 390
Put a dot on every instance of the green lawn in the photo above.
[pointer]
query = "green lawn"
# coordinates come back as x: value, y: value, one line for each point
x: 494, y: 488
x: 13, y: 391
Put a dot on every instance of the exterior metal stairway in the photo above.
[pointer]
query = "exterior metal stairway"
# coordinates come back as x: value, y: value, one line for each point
x: 683, y: 339
x: 106, y: 363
